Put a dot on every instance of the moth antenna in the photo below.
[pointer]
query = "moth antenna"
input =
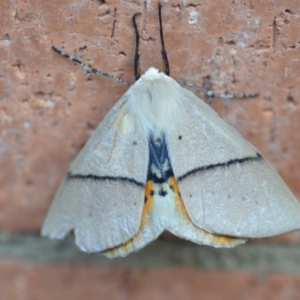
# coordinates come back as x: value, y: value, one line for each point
x: 166, y: 66
x: 89, y: 68
x: 137, y: 67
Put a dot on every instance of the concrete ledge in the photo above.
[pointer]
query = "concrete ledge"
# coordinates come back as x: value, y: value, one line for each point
x: 253, y: 256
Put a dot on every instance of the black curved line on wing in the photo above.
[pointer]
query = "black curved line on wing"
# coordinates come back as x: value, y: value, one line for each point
x: 220, y: 165
x: 101, y: 178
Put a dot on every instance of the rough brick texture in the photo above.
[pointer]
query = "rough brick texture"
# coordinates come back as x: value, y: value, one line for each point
x: 27, y: 282
x: 49, y: 107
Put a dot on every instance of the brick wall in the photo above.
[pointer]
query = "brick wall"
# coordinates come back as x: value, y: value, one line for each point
x: 49, y: 107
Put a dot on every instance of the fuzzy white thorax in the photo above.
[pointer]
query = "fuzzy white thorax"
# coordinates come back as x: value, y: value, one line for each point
x: 155, y: 101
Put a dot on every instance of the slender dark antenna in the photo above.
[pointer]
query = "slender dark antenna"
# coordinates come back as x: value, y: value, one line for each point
x: 137, y: 67
x: 163, y: 49
x: 89, y: 68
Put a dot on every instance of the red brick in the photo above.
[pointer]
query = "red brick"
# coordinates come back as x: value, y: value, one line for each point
x: 49, y: 108
x: 20, y: 281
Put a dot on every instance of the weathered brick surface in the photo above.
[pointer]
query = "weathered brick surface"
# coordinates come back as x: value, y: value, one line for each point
x: 48, y: 107
x: 21, y: 281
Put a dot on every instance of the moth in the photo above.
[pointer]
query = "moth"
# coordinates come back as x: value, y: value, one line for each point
x: 162, y: 159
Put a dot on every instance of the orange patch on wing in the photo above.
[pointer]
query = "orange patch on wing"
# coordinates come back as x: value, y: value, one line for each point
x: 178, y: 201
x: 218, y: 239
x: 146, y: 211
x: 148, y: 201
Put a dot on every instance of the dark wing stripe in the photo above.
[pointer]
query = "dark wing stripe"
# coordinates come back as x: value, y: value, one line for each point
x: 99, y: 178
x: 220, y: 165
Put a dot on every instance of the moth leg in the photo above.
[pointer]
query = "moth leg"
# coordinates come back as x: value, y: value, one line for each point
x: 211, y: 95
x: 89, y: 68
